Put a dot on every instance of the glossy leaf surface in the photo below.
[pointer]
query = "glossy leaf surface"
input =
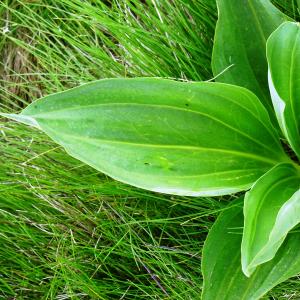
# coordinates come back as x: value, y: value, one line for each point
x: 283, y: 52
x: 271, y: 210
x: 240, y: 42
x: 221, y: 264
x: 161, y: 135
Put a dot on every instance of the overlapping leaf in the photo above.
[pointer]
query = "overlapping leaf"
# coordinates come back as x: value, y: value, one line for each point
x: 162, y: 135
x: 221, y: 261
x: 271, y: 210
x: 283, y: 52
x: 240, y: 41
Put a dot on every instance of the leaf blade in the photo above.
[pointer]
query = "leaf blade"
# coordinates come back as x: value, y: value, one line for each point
x: 283, y: 54
x: 266, y: 225
x: 221, y: 262
x: 163, y: 135
x: 231, y: 47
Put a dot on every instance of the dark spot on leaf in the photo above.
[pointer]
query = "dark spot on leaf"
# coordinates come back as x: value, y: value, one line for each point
x: 146, y: 164
x: 187, y: 104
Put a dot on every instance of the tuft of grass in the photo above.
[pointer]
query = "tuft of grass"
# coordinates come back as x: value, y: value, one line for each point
x: 289, y: 7
x: 67, y: 231
x: 58, y: 44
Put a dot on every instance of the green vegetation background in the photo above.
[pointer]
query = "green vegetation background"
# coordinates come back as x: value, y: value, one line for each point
x: 66, y: 231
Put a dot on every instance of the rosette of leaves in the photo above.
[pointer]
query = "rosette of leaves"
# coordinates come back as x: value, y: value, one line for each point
x: 240, y: 133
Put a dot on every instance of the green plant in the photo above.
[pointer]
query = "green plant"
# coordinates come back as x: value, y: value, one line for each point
x: 203, y: 139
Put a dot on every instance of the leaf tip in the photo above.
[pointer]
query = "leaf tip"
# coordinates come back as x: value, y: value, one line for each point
x: 246, y: 265
x: 22, y: 119
x: 247, y: 270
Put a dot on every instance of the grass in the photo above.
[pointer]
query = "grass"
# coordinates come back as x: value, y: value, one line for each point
x: 66, y: 231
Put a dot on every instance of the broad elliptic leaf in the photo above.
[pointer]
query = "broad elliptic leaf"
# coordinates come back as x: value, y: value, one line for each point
x: 283, y: 53
x: 271, y: 210
x: 221, y: 261
x: 162, y: 135
x: 240, y: 44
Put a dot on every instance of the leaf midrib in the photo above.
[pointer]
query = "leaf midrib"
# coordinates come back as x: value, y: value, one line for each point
x: 37, y: 116
x: 188, y: 147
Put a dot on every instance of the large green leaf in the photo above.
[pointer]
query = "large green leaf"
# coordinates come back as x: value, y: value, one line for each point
x: 271, y: 210
x: 221, y: 261
x: 283, y: 53
x: 162, y: 135
x: 240, y: 42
